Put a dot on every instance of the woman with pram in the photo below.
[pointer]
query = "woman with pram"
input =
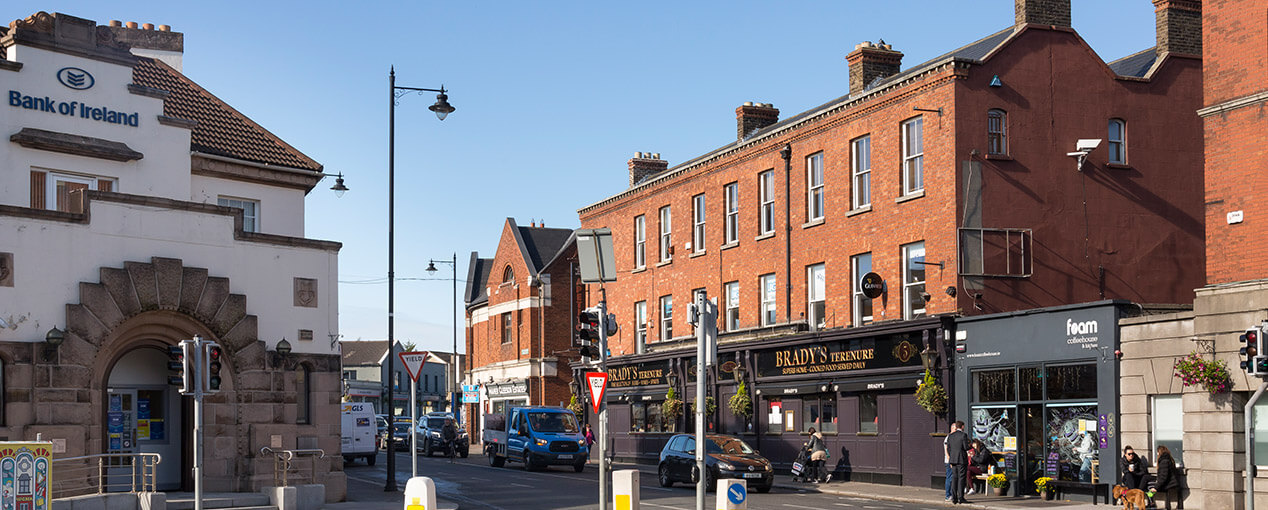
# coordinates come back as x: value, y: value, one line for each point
x: 818, y: 457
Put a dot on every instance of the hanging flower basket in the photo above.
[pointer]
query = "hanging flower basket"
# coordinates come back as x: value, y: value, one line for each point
x: 1211, y: 375
x: 672, y: 408
x: 574, y: 405
x: 710, y: 406
x: 741, y: 405
x: 931, y: 395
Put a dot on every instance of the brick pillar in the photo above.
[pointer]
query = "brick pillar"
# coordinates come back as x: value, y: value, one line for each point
x: 1179, y: 26
x: 644, y: 164
x: 871, y: 61
x: 1042, y: 12
x: 750, y: 117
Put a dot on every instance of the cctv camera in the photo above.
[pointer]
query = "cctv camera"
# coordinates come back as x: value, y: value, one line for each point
x: 1078, y: 154
x: 1088, y: 144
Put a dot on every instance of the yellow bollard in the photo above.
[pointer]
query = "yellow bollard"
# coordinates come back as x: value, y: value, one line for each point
x: 420, y: 494
x: 625, y: 489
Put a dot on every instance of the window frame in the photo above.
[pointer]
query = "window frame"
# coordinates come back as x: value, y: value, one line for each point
x: 732, y: 211
x: 817, y: 402
x: 1117, y: 147
x: 731, y: 294
x: 640, y: 241
x: 997, y: 132
x: 508, y: 330
x: 816, y: 317
x: 250, y: 222
x: 640, y: 327
x: 857, y: 296
x: 698, y: 223
x: 766, y: 202
x: 861, y: 172
x: 913, y: 159
x: 815, y: 198
x: 875, y: 424
x: 911, y: 286
x: 666, y: 317
x: 666, y: 233
x: 769, y: 307
x: 303, y: 395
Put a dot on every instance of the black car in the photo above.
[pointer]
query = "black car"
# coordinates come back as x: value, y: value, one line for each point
x: 431, y: 438
x: 726, y: 457
x: 400, y: 436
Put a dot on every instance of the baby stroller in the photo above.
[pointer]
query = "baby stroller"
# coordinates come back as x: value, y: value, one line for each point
x: 801, y: 467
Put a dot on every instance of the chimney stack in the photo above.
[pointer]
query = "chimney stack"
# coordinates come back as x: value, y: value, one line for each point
x: 1042, y: 12
x: 645, y: 164
x: 143, y: 40
x: 750, y: 117
x: 871, y: 61
x: 1179, y: 26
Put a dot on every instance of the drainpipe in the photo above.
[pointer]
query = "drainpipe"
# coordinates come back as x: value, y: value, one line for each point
x: 786, y: 153
x: 541, y: 336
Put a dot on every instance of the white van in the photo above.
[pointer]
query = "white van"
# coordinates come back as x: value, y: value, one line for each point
x: 358, y: 427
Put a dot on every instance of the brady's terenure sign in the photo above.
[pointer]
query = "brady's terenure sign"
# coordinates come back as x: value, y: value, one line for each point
x: 639, y: 374
x: 841, y: 356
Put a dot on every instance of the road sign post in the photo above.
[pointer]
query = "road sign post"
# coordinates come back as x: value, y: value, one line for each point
x: 413, y: 362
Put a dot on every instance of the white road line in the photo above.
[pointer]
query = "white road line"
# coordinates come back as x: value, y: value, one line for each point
x: 666, y: 489
x: 644, y: 503
x: 521, y: 485
x: 799, y: 506
x: 843, y: 504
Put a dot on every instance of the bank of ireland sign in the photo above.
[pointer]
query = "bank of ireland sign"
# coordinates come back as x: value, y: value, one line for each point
x: 76, y: 78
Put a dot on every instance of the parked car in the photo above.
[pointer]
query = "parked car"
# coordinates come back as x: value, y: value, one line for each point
x: 380, y: 436
x: 400, y: 436
x: 430, y: 437
x: 725, y: 457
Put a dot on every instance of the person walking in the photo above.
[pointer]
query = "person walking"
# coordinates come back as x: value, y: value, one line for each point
x: 958, y: 455
x: 946, y: 459
x: 1168, y: 482
x: 589, y: 435
x: 1132, y: 469
x: 818, y: 457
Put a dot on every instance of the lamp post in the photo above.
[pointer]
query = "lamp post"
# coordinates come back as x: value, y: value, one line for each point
x: 453, y: 377
x: 442, y: 109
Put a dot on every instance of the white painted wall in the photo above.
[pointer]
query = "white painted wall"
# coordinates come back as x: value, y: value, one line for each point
x: 281, y: 209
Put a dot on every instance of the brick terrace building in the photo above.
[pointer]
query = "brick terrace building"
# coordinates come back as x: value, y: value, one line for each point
x: 950, y: 181
x: 521, y: 306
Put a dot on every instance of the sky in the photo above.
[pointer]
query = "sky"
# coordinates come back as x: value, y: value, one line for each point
x: 552, y: 98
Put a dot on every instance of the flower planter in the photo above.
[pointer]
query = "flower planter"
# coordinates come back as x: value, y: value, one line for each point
x: 1047, y: 495
x: 999, y: 491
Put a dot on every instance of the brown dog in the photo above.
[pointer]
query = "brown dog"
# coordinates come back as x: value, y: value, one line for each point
x: 1134, y: 498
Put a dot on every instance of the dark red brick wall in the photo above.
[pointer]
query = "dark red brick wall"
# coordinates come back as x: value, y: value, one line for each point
x: 1235, y: 61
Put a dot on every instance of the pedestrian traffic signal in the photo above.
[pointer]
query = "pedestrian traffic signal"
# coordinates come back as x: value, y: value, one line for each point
x: 1250, y: 350
x: 211, y: 367
x: 178, y: 366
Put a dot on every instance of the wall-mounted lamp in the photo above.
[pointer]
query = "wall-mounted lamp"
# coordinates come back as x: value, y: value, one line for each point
x: 929, y: 358
x: 339, y: 187
x: 281, y: 352
x: 52, y: 340
x: 1082, y: 148
x: 574, y: 387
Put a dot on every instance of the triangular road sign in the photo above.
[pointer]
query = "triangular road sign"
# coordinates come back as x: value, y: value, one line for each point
x: 413, y: 362
x: 598, y: 381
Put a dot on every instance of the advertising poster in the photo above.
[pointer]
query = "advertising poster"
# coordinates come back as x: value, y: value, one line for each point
x: 157, y: 430
x: 143, y: 430
x: 114, y: 422
x: 142, y: 408
x: 25, y: 475
x: 116, y: 402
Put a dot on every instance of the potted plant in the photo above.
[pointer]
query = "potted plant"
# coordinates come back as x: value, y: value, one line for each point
x: 1043, y: 488
x: 741, y: 405
x: 1211, y: 375
x: 672, y: 408
x: 998, y: 483
x: 574, y: 405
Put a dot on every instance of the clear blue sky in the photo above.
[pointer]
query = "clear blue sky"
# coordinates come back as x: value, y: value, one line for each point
x: 552, y: 98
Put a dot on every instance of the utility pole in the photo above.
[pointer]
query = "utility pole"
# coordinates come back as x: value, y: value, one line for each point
x: 603, y: 403
x: 703, y: 313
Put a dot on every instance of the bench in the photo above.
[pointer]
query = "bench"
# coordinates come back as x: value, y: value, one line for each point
x: 1060, y: 486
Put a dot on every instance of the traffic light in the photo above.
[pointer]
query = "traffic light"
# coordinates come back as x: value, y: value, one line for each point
x: 1250, y: 350
x: 588, y: 338
x: 178, y: 366
x: 609, y: 325
x: 211, y: 367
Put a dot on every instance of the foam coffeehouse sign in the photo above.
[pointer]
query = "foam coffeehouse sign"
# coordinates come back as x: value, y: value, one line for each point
x: 839, y: 356
x: 639, y: 374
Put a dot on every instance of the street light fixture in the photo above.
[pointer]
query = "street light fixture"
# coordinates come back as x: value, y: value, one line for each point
x: 442, y: 109
x: 431, y: 268
x: 339, y: 188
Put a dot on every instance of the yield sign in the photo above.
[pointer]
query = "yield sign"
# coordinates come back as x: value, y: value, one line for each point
x: 413, y: 363
x: 598, y: 382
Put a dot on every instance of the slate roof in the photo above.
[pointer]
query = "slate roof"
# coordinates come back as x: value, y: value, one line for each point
x: 363, y: 352
x: 540, y: 244
x: 221, y: 130
x: 477, y: 291
x: 1136, y: 64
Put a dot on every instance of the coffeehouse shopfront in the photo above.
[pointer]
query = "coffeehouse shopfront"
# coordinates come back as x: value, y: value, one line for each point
x: 855, y: 385
x: 1040, y: 389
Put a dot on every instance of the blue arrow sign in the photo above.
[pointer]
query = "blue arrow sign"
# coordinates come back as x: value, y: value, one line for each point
x: 737, y: 494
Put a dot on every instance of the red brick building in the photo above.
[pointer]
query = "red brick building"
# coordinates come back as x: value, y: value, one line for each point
x: 952, y: 183
x: 521, y: 306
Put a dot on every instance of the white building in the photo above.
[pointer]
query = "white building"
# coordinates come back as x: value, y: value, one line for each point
x: 137, y: 210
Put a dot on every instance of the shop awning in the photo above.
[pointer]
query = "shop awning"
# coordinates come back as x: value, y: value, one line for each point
x: 880, y: 383
x: 794, y: 389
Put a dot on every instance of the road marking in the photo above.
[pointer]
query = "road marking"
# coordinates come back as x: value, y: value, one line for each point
x: 522, y: 485
x: 799, y: 506
x: 643, y: 503
x: 666, y: 489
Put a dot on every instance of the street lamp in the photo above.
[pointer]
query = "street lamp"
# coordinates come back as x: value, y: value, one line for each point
x: 431, y: 268
x: 442, y: 109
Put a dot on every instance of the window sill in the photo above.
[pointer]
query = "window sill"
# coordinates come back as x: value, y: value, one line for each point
x: 867, y: 433
x: 861, y: 210
x: 812, y: 223
x: 767, y: 235
x: 695, y: 254
x: 664, y: 263
x: 1119, y: 166
x: 638, y: 270
x: 730, y: 245
x: 912, y: 196
x: 999, y: 157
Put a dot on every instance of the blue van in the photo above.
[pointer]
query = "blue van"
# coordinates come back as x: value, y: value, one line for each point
x: 537, y: 436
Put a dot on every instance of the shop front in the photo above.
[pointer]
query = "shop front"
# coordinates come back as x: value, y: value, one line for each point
x: 1040, y: 389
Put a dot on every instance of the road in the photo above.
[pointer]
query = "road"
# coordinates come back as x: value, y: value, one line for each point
x: 473, y: 484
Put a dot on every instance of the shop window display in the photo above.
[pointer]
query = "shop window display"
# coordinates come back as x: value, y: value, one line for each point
x: 648, y: 417
x: 819, y: 412
x: 994, y: 385
x: 869, y: 417
x: 1066, y: 382
x: 992, y: 425
x: 1072, y: 443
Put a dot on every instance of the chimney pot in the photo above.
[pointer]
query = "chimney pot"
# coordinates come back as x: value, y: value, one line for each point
x: 656, y: 155
x: 753, y: 116
x: 131, y: 24
x: 869, y: 62
x: 644, y: 165
x: 748, y: 103
x: 116, y: 23
x: 1042, y: 12
x: 165, y: 28
x: 148, y: 26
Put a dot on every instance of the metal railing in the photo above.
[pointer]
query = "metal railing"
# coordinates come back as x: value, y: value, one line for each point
x: 104, y: 472
x: 283, y: 462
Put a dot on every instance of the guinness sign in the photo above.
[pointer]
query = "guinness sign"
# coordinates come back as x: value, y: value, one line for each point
x: 872, y: 285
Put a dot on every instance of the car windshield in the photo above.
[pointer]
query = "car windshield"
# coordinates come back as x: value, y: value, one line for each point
x: 435, y: 423
x: 553, y: 422
x: 728, y: 445
x: 401, y: 428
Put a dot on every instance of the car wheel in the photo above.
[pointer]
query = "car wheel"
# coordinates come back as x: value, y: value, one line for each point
x: 369, y: 461
x: 764, y: 488
x: 710, y: 482
x: 663, y: 476
x: 579, y: 467
x: 348, y: 459
x: 465, y: 452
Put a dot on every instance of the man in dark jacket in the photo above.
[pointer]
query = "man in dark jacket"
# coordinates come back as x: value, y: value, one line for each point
x: 449, y: 432
x: 958, y: 453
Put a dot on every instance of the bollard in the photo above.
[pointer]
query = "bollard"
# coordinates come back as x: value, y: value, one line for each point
x: 732, y: 494
x: 420, y: 494
x: 625, y: 489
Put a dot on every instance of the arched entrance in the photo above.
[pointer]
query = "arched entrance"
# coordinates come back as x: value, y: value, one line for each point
x: 144, y: 414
